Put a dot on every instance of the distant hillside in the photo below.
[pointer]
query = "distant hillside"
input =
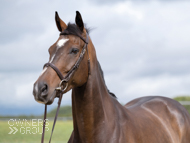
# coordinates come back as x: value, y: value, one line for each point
x: 64, y: 111
x: 184, y: 98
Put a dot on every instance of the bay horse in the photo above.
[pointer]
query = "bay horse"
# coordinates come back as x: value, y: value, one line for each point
x: 97, y: 115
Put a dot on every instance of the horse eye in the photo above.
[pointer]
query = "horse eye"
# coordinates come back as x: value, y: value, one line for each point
x: 74, y: 51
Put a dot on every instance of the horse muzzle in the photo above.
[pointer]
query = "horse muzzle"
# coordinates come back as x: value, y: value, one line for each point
x: 40, y: 91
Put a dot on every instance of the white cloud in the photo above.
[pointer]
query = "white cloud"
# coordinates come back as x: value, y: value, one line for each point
x: 20, y: 87
x: 125, y: 9
x: 163, y: 85
x: 143, y: 47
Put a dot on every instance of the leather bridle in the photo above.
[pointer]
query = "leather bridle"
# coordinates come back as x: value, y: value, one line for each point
x: 64, y: 82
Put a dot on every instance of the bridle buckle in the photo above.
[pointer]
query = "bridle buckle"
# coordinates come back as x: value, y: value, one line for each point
x: 60, y: 87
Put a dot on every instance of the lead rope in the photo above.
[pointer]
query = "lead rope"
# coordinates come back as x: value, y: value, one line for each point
x: 55, y: 119
x: 44, y: 123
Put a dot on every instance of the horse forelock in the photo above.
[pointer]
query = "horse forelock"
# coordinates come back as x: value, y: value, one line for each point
x: 72, y: 29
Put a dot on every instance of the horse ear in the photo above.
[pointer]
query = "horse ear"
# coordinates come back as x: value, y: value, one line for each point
x: 60, y: 24
x: 78, y: 20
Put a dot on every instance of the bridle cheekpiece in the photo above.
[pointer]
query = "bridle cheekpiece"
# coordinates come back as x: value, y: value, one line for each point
x: 66, y: 78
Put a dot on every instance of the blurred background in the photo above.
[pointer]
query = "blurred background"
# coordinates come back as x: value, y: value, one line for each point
x: 143, y: 47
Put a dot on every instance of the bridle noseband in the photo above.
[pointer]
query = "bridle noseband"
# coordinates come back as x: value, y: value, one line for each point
x: 64, y: 82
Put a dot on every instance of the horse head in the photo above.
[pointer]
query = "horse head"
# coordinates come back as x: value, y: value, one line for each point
x: 68, y: 62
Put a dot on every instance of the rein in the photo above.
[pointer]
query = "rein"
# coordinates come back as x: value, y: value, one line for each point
x: 64, y: 83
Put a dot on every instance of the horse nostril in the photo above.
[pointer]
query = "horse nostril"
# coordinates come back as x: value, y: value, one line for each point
x: 44, y: 90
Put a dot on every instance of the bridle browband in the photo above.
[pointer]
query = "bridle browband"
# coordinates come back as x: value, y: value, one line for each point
x: 64, y: 81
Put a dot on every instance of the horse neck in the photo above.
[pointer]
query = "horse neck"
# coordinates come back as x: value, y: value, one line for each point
x: 92, y: 105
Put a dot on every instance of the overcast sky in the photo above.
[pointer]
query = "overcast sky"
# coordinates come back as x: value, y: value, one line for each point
x: 143, y: 47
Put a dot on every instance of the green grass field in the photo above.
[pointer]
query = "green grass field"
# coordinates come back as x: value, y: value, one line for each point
x: 30, y: 132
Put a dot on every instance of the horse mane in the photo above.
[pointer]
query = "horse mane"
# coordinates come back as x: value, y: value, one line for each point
x: 102, y: 74
x: 72, y: 29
